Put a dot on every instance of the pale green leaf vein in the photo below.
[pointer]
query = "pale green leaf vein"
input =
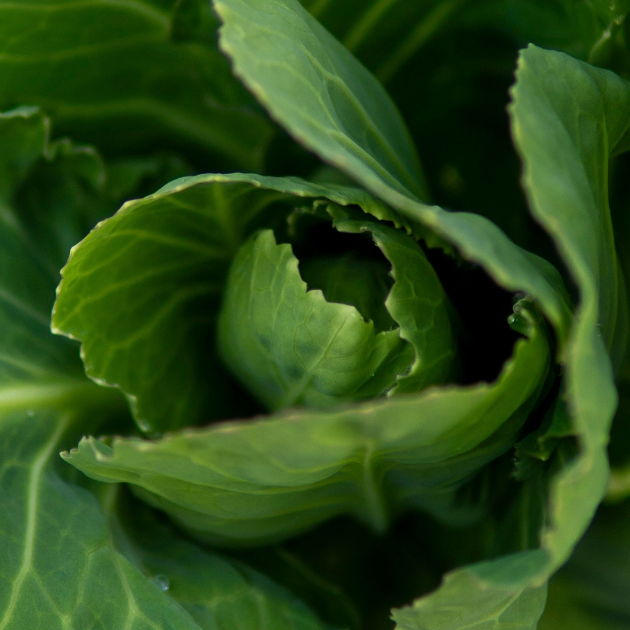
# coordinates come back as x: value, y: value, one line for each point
x: 34, y: 487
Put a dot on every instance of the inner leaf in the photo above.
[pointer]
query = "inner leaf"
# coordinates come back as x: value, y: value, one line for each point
x: 351, y: 279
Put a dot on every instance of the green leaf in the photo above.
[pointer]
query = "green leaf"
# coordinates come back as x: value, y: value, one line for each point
x: 590, y: 592
x: 591, y: 109
x: 133, y: 315
x: 291, y: 347
x: 338, y: 101
x: 578, y: 118
x: 479, y: 597
x: 246, y: 482
x: 321, y: 62
x: 416, y: 302
x: 219, y: 593
x: 565, y: 113
x: 66, y: 561
x: 27, y: 280
x: 560, y: 170
x: 58, y: 567
x: 108, y: 72
x: 147, y: 340
x: 62, y: 564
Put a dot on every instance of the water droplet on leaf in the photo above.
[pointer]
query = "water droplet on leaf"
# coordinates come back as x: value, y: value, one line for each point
x: 161, y: 581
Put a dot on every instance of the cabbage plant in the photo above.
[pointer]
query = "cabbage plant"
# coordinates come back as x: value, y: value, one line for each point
x: 298, y: 376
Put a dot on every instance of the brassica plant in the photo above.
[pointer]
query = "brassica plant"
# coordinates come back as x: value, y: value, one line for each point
x: 340, y: 338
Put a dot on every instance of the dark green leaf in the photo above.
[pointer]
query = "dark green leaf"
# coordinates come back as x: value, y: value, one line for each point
x: 565, y: 155
x: 591, y: 592
x: 253, y: 481
x: 107, y: 72
x: 61, y: 564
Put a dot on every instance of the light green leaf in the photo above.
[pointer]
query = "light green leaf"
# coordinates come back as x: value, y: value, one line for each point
x: 255, y: 481
x: 125, y: 318
x: 480, y: 598
x: 289, y: 346
x: 141, y: 323
x: 107, y: 72
x: 318, y: 90
x: 416, y: 302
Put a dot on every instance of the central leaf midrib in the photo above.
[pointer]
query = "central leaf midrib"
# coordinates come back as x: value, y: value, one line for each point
x: 54, y: 395
x: 298, y: 388
x: 31, y: 516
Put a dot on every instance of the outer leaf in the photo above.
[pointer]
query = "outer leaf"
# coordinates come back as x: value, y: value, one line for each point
x: 588, y: 115
x: 338, y: 101
x: 480, y: 597
x: 325, y: 67
x: 219, y: 593
x: 290, y: 346
x: 564, y: 113
x: 27, y: 350
x: 106, y: 72
x: 591, y: 592
x: 140, y: 323
x: 603, y: 97
x: 586, y: 118
x: 254, y: 481
x: 60, y: 567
